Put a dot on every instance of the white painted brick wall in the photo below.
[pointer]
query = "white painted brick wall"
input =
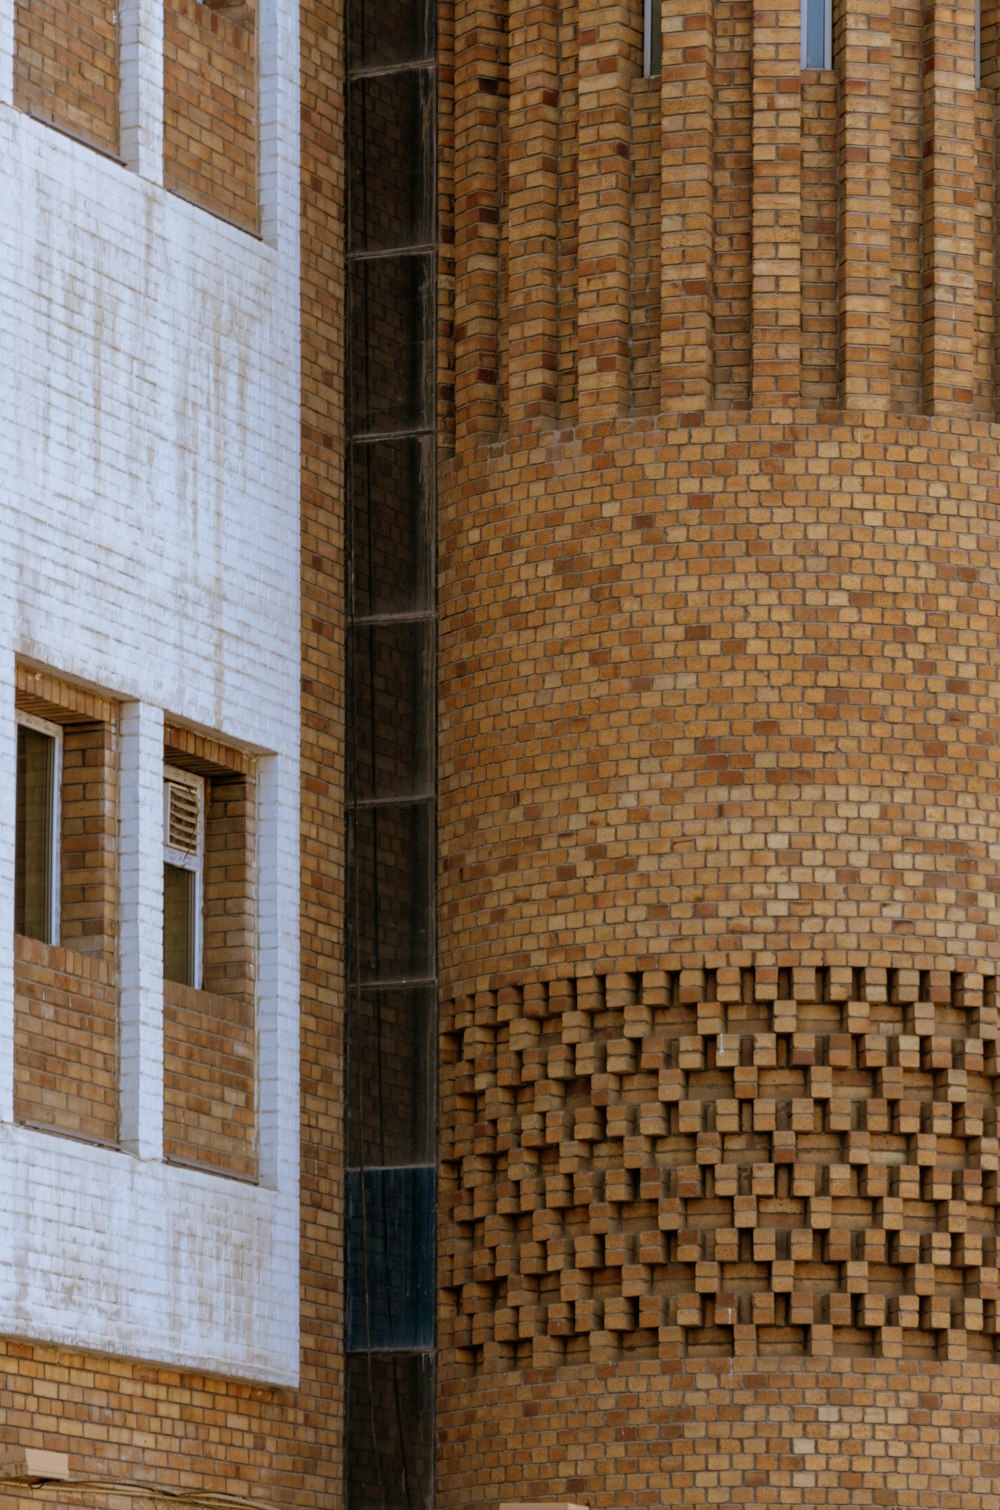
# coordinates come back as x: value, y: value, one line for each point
x: 149, y: 450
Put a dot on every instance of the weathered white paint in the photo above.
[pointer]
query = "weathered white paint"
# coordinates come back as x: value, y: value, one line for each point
x: 149, y: 451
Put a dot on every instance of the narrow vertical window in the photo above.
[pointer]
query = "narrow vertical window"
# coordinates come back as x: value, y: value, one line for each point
x: 183, y: 860
x: 817, y: 33
x: 652, y: 37
x: 36, y: 844
x: 978, y: 43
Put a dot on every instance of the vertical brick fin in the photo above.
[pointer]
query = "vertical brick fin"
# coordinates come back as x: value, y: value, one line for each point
x: 865, y: 332
x: 733, y: 201
x: 446, y: 226
x: 820, y: 283
x: 905, y: 238
x: 987, y: 179
x: 480, y: 95
x: 569, y: 207
x: 533, y: 212
x: 949, y: 211
x: 777, y: 204
x: 610, y: 52
x: 687, y: 191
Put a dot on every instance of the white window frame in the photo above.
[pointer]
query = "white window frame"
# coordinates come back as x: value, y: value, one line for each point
x: 55, y: 733
x: 827, y: 62
x: 185, y: 859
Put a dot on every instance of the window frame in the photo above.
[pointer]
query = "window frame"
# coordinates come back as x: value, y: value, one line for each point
x: 189, y: 860
x: 652, y: 38
x: 806, y: 36
x: 54, y: 732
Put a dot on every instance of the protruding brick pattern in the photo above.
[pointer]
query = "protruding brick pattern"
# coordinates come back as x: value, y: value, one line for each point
x: 210, y: 107
x: 743, y: 1160
x: 65, y: 1041
x: 815, y: 244
x: 66, y: 66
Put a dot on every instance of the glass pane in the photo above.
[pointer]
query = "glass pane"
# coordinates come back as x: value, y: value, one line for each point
x: 390, y: 31
x: 390, y: 1403
x: 392, y: 692
x: 35, y: 812
x: 390, y: 1259
x: 392, y: 483
x: 393, y: 860
x: 391, y: 1095
x: 816, y: 33
x: 392, y: 160
x: 178, y: 925
x: 392, y: 344
x: 653, y: 20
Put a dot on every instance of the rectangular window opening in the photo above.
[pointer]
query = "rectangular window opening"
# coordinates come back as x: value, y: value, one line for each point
x: 817, y: 33
x: 183, y: 865
x: 36, y: 851
x: 652, y: 37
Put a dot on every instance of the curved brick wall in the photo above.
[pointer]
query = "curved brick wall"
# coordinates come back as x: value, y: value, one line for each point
x: 733, y: 687
x: 863, y: 1432
x: 719, y: 784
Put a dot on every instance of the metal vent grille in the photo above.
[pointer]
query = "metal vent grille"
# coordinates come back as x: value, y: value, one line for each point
x: 182, y: 816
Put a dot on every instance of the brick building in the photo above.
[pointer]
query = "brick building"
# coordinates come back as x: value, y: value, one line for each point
x: 682, y: 907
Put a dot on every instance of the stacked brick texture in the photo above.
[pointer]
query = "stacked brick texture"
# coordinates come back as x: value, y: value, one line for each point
x: 210, y: 107
x: 66, y: 66
x: 735, y: 1162
x: 66, y: 72
x: 718, y: 778
x: 737, y: 234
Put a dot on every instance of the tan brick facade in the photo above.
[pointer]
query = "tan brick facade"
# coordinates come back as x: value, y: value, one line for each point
x: 119, y: 1420
x: 210, y: 107
x: 718, y: 917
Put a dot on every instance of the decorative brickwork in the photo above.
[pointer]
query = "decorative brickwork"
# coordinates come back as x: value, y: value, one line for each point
x: 736, y: 1160
x: 66, y: 66
x: 210, y: 107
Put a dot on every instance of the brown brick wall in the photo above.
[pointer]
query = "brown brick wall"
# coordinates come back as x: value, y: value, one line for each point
x: 210, y: 108
x: 740, y: 1159
x: 66, y: 66
x: 739, y: 687
x: 180, y: 1429
x: 88, y: 899
x: 65, y: 1041
x: 818, y: 240
x: 852, y: 1431
x: 209, y: 1077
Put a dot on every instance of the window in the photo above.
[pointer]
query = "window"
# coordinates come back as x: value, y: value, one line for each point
x: 183, y: 865
x: 652, y: 37
x: 36, y: 854
x: 817, y: 33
